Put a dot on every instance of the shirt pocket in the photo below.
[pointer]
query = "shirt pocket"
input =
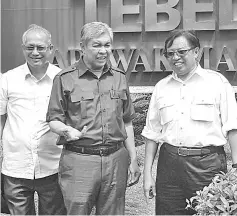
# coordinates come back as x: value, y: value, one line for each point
x: 82, y: 104
x: 167, y: 110
x: 118, y: 97
x: 202, y: 109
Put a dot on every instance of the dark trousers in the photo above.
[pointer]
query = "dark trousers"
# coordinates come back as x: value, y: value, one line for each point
x: 4, y: 207
x: 19, y: 195
x: 179, y: 177
x: 93, y: 180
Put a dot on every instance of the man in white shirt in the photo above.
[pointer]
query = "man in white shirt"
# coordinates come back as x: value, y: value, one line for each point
x: 192, y: 113
x: 30, y: 154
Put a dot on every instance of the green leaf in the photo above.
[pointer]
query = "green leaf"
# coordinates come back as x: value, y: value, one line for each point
x: 233, y: 207
x: 226, y: 204
x: 220, y: 207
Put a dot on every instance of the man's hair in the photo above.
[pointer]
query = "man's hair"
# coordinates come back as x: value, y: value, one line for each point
x: 38, y: 29
x: 190, y: 36
x: 93, y: 30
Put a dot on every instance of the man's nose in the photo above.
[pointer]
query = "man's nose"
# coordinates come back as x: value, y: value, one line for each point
x: 176, y: 56
x: 103, y: 49
x: 35, y: 51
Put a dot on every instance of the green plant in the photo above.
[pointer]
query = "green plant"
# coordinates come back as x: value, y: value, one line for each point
x: 218, y: 198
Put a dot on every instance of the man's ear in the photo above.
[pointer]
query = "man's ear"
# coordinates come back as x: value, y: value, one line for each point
x: 82, y: 47
x: 51, y: 46
x: 196, y: 51
x: 23, y: 47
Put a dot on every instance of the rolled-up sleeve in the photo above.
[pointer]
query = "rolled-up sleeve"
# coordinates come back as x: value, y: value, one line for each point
x: 152, y: 129
x: 228, y: 108
x: 128, y: 109
x: 57, y: 103
x: 3, y: 94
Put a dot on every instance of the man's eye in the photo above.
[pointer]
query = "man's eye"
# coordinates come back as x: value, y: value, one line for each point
x: 30, y: 48
x: 96, y: 45
x: 182, y: 51
x: 40, y: 48
x: 170, y: 53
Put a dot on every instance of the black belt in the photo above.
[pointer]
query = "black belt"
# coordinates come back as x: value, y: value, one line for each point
x: 94, y: 150
x: 193, y: 151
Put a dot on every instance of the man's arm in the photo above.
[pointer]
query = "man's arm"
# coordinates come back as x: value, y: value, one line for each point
x: 69, y: 132
x: 232, y: 136
x: 148, y: 181
x: 3, y: 119
x: 134, y: 171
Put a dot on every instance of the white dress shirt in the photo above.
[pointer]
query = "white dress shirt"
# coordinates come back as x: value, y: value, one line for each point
x: 193, y: 113
x: 29, y: 147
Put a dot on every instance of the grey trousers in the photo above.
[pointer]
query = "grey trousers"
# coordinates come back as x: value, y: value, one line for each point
x: 92, y: 180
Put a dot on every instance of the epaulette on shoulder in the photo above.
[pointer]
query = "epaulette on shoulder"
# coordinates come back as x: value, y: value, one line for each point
x: 67, y: 70
x: 217, y: 74
x: 118, y: 70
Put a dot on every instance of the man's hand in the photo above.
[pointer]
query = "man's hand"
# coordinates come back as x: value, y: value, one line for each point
x: 149, y: 187
x: 134, y: 173
x: 71, y: 133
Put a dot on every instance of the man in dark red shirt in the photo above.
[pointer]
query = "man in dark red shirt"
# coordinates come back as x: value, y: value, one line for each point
x: 91, y: 109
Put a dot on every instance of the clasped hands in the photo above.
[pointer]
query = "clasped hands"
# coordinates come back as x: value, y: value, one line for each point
x: 71, y: 133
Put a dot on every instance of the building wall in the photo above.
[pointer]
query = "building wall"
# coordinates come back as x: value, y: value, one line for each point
x: 140, y: 28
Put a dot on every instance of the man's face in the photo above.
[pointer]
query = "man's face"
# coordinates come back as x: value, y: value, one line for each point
x: 36, y: 49
x: 97, y: 51
x: 182, y: 57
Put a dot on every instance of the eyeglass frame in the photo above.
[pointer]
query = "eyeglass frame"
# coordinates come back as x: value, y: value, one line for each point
x: 177, y: 52
x: 37, y: 48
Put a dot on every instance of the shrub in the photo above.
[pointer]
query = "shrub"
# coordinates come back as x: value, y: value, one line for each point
x: 141, y: 104
x: 218, y: 198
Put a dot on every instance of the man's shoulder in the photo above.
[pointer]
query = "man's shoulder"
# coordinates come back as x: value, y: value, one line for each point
x: 67, y: 70
x: 165, y: 80
x: 117, y: 70
x: 214, y: 75
x: 15, y: 71
x: 55, y: 68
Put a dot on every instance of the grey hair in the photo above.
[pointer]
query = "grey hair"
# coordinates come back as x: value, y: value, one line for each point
x: 94, y: 29
x: 39, y: 29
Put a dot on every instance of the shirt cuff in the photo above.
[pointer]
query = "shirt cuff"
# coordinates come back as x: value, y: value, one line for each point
x: 130, y: 118
x: 228, y: 127
x: 149, y: 134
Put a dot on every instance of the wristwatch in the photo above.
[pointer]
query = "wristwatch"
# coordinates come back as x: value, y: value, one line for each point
x: 234, y: 165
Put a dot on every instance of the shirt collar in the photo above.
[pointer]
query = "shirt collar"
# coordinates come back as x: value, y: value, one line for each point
x: 83, y: 69
x: 196, y: 70
x: 49, y: 72
x: 200, y: 71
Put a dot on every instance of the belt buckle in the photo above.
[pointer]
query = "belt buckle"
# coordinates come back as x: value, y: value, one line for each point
x: 104, y: 152
x: 183, y: 152
x: 101, y: 152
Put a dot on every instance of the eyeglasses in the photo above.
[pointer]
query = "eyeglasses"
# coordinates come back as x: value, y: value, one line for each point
x: 180, y: 53
x: 40, y: 49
